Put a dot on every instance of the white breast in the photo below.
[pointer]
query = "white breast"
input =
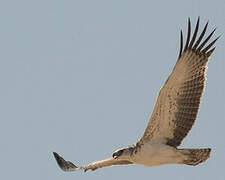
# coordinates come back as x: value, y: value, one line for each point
x: 157, y: 154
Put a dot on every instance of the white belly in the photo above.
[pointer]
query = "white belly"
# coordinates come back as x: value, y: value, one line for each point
x: 157, y: 154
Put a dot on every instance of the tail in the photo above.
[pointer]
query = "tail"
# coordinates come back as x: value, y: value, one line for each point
x: 195, y: 156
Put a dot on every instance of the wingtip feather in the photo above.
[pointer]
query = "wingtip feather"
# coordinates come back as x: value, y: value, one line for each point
x: 63, y: 164
x: 195, y: 45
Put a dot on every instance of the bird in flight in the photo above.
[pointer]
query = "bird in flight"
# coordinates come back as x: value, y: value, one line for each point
x: 174, y: 113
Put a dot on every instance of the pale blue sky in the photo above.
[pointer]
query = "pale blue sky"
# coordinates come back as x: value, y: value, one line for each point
x: 81, y: 77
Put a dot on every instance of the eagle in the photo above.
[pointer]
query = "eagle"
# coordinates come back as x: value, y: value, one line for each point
x: 173, y: 115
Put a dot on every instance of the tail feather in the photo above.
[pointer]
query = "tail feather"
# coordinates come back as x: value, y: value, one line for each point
x: 195, y: 156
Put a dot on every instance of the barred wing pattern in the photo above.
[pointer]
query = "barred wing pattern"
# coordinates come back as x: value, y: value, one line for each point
x: 178, y: 101
x: 176, y: 107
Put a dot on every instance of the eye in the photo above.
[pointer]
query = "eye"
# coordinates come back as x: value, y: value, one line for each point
x: 117, y: 154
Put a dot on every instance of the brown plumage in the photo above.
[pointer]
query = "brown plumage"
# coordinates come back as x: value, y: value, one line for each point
x: 174, y: 113
x: 195, y: 156
x: 179, y: 99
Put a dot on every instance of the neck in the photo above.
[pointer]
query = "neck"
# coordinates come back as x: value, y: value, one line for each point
x: 135, y: 148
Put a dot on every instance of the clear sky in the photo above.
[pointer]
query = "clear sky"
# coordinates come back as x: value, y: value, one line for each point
x: 81, y: 78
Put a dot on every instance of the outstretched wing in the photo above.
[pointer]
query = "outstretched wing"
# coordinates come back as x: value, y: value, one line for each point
x: 178, y: 101
x: 69, y: 166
